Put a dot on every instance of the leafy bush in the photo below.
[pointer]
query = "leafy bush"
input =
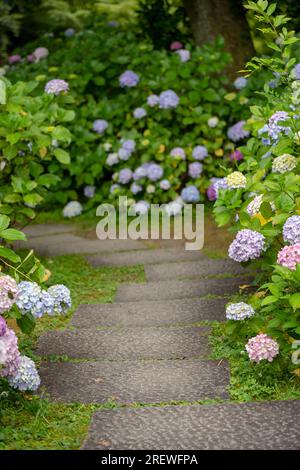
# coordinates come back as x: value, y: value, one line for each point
x: 262, y: 201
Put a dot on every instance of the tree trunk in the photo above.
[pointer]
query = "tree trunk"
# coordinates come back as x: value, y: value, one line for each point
x: 211, y: 18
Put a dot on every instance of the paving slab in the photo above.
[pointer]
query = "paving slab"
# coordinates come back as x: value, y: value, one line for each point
x: 38, y: 230
x: 127, y: 343
x: 192, y: 269
x: 150, y: 256
x: 237, y: 426
x: 56, y: 245
x: 135, y: 381
x: 149, y: 313
x: 165, y: 290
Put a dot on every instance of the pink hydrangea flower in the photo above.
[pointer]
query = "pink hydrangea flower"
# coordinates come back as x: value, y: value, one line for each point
x: 8, y: 293
x: 262, y: 347
x: 14, y: 59
x: 175, y: 45
x: 9, y: 353
x: 289, y: 256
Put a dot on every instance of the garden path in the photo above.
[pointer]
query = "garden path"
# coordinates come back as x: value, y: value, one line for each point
x: 150, y: 347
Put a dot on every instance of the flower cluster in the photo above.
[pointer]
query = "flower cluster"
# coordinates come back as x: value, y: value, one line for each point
x: 240, y: 83
x: 190, y: 194
x: 289, y: 256
x: 153, y: 100
x: 236, y: 180
x: 184, y: 54
x: 239, y: 311
x: 56, y: 86
x: 72, y: 209
x: 236, y: 156
x: 125, y: 176
x: 168, y: 99
x: 237, y: 131
x: 61, y: 297
x: 32, y: 299
x: 248, y: 244
x: 273, y: 128
x: 253, y: 207
x: 8, y: 293
x: 100, y: 125
x: 199, y: 152
x: 213, y: 189
x: 89, y: 191
x: 139, y: 113
x: 26, y: 376
x: 128, y: 79
x: 9, y: 353
x: 141, y: 207
x: 262, y: 347
x: 154, y: 172
x: 178, y: 152
x: 3, y: 326
x: 291, y: 230
x: 284, y: 163
x: 195, y: 169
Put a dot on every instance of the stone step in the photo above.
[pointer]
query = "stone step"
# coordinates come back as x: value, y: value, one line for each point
x: 40, y: 230
x: 149, y: 313
x: 192, y: 269
x: 150, y: 256
x: 60, y: 244
x: 165, y: 290
x: 236, y: 426
x: 135, y: 381
x: 127, y: 343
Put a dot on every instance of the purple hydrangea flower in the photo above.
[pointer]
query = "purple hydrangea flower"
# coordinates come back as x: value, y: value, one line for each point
x: 129, y: 145
x: 114, y: 187
x: 273, y: 128
x: 296, y: 71
x: 240, y: 83
x: 184, y: 54
x: 61, y: 298
x: 26, y: 378
x: 139, y: 113
x: 211, y: 193
x: 128, y: 79
x: 195, y: 169
x: 140, y: 172
x: 14, y: 59
x: 291, y: 230
x: 213, y: 190
x: 40, y: 53
x: 175, y: 45
x: 9, y: 353
x: 124, y: 154
x: 190, y: 194
x: 248, y: 244
x: 100, y: 125
x: 135, y: 188
x: 154, y: 172
x: 237, y: 131
x: 199, y: 152
x: 89, y: 191
x: 178, y: 152
x: 3, y: 326
x: 8, y: 292
x: 112, y: 159
x: 56, y: 86
x: 236, y: 156
x: 125, y: 176
x: 168, y: 99
x: 165, y: 185
x: 153, y: 100
x: 262, y: 347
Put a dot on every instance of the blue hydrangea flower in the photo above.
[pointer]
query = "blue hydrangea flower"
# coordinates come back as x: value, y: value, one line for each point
x: 165, y: 185
x: 168, y: 99
x: 32, y: 299
x: 237, y: 131
x: 195, y: 169
x: 128, y: 79
x: 125, y: 176
x: 239, y: 311
x: 178, y: 152
x: 140, y: 172
x: 61, y: 298
x: 154, y: 172
x: 26, y: 378
x: 153, y: 100
x: 72, y: 209
x: 89, y: 191
x: 69, y: 32
x: 135, y: 188
x: 273, y: 128
x: 139, y: 113
x: 296, y: 71
x: 199, y: 152
x: 129, y: 145
x: 240, y: 83
x: 124, y: 154
x: 190, y: 194
x: 100, y: 125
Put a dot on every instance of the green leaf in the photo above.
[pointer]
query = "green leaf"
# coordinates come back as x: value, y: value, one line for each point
x: 269, y: 300
x: 26, y: 323
x: 294, y: 301
x: 62, y: 156
x: 9, y: 254
x: 12, y: 234
x: 2, y: 92
x: 4, y: 222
